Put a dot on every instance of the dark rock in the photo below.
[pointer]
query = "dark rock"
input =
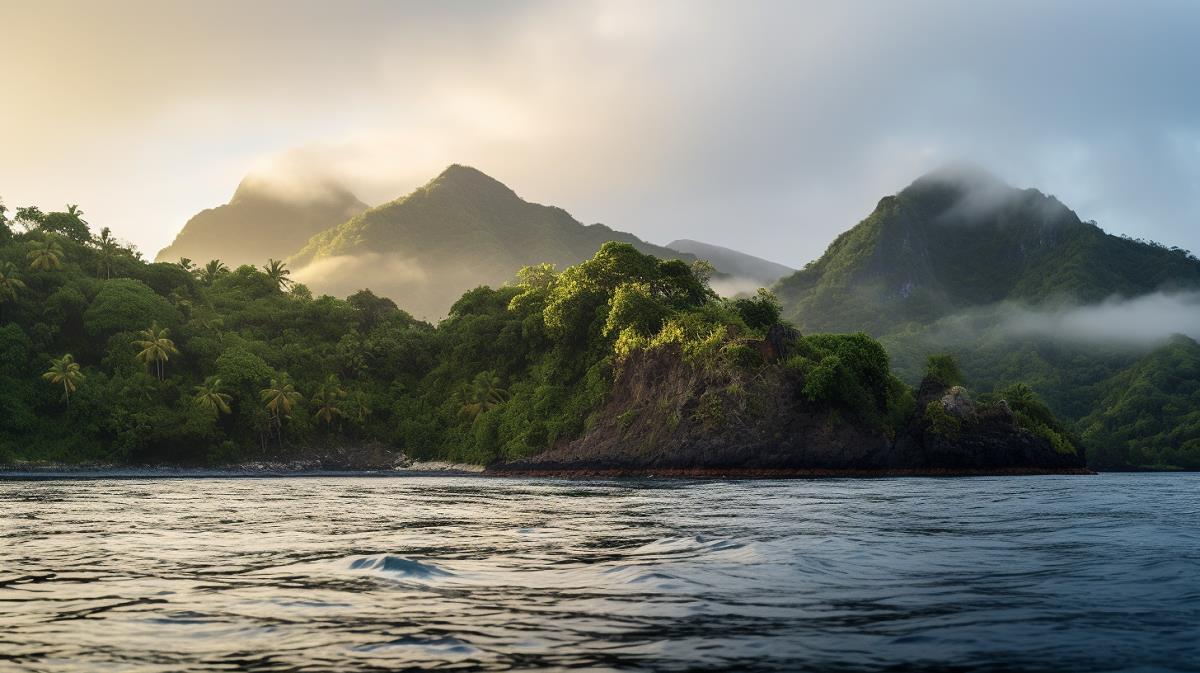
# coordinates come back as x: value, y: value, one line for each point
x: 668, y: 416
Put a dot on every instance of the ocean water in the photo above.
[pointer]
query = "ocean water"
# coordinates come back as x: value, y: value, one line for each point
x: 371, y: 574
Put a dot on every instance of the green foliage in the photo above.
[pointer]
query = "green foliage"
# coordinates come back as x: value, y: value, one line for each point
x: 942, y: 422
x: 124, y: 304
x: 65, y: 372
x: 1148, y: 416
x: 45, y: 255
x: 192, y: 364
x: 69, y: 224
x: 924, y: 275
x: 1033, y: 415
x: 943, y: 368
x: 634, y: 307
x: 850, y: 370
x: 920, y: 256
x: 743, y: 356
x: 760, y: 311
x: 462, y: 230
x: 710, y: 410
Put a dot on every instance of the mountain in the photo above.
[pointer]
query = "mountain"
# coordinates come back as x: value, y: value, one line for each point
x: 1148, y: 416
x: 261, y: 221
x: 959, y: 238
x: 461, y: 230
x: 961, y: 263
x: 745, y: 272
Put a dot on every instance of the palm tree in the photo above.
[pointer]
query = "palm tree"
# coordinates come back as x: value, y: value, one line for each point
x: 107, y: 251
x: 45, y: 255
x: 10, y: 282
x: 1019, y: 393
x: 325, y: 400
x: 359, y: 407
x: 278, y: 272
x: 74, y: 211
x: 484, y: 394
x: 210, y: 397
x: 65, y: 372
x: 156, y: 347
x: 187, y: 265
x: 280, y: 397
x: 212, y: 271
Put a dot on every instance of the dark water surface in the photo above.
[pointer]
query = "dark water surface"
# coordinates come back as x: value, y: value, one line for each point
x: 357, y: 574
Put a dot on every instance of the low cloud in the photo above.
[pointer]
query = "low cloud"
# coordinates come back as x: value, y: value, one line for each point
x: 1142, y: 320
x: 732, y: 286
x: 985, y: 197
x: 341, y: 275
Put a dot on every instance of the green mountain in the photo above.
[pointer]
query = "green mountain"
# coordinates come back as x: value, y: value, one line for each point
x: 959, y: 261
x: 261, y: 222
x: 461, y: 230
x: 960, y: 238
x: 1149, y: 414
x: 743, y: 272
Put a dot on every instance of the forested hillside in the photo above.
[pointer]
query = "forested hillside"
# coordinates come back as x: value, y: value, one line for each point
x: 953, y: 261
x: 960, y: 238
x: 461, y: 230
x: 109, y: 358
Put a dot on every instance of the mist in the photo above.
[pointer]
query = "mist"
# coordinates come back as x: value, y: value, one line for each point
x: 985, y: 197
x: 732, y: 286
x: 1144, y: 320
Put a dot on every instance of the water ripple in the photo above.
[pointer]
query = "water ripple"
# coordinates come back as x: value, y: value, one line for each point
x: 1013, y: 574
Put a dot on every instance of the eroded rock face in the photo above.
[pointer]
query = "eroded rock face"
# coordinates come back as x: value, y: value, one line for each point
x: 957, y: 402
x: 665, y: 414
x: 987, y: 438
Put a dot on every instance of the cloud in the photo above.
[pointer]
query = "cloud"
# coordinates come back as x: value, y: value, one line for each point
x: 732, y: 286
x: 767, y: 127
x: 331, y: 274
x: 1143, y: 320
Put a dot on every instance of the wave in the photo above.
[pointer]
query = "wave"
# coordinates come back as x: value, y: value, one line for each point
x: 398, y: 566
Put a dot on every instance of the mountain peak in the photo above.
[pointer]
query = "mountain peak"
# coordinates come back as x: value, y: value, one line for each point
x: 470, y: 180
x: 266, y: 188
x: 960, y: 176
x: 267, y: 217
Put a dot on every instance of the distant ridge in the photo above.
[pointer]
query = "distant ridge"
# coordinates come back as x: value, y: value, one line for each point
x: 461, y: 230
x: 738, y: 266
x: 261, y: 222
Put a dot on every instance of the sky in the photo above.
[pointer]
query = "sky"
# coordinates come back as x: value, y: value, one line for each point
x: 769, y: 127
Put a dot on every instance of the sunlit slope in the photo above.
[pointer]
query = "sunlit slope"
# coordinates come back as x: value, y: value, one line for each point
x: 461, y: 230
x: 261, y: 221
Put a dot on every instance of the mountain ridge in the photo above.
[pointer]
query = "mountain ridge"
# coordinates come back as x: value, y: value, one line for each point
x: 756, y: 271
x: 460, y: 230
x: 268, y: 222
x: 942, y: 245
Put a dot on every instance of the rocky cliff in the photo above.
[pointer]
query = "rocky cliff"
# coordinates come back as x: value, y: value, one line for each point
x: 666, y: 415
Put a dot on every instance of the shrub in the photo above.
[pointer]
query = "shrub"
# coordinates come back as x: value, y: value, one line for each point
x: 941, y: 422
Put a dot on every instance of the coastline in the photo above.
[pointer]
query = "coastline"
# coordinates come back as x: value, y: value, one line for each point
x: 779, y: 473
x: 443, y: 469
x: 50, y: 471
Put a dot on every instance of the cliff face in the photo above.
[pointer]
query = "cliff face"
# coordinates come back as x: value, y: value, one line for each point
x: 961, y: 435
x: 666, y: 415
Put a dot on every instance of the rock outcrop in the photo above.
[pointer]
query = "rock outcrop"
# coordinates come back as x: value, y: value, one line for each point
x: 666, y: 416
